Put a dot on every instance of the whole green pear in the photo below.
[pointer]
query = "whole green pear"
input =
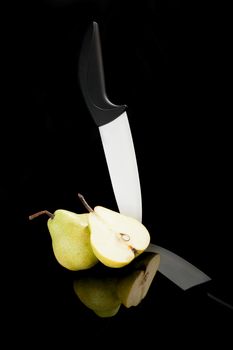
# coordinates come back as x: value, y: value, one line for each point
x: 70, y: 239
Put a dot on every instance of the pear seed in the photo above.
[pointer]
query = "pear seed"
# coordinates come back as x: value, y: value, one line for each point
x: 125, y: 236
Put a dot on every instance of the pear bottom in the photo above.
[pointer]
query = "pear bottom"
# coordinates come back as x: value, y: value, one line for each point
x: 107, y: 313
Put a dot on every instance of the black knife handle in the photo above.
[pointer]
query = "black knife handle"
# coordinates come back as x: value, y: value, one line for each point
x: 92, y: 82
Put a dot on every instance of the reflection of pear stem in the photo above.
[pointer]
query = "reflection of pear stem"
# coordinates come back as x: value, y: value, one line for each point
x: 86, y: 205
x: 41, y: 213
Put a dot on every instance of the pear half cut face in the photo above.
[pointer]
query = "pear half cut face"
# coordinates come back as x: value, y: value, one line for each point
x: 116, y: 239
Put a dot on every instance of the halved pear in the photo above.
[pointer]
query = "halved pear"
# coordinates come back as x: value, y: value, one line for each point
x: 116, y: 239
x: 134, y: 287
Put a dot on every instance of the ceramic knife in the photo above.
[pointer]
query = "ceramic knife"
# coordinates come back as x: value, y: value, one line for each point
x: 113, y: 125
x: 115, y: 133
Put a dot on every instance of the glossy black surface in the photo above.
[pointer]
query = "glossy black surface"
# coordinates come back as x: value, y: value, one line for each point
x: 170, y: 71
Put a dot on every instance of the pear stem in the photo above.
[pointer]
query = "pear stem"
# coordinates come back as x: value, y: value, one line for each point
x: 33, y: 216
x: 86, y: 205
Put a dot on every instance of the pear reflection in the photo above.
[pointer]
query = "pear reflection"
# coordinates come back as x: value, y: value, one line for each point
x: 104, y: 290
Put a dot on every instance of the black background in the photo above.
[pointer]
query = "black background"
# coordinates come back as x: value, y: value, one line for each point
x: 169, y: 63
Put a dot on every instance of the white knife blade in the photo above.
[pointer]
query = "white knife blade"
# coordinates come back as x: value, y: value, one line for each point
x: 120, y: 155
x: 121, y: 159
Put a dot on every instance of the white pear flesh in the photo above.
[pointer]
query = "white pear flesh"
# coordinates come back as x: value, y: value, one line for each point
x: 133, y: 288
x: 116, y: 239
x: 71, y: 240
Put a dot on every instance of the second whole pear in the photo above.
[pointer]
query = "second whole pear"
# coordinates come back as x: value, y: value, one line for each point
x: 70, y: 239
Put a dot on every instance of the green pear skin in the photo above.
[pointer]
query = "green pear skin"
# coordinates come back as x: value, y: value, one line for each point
x: 71, y: 240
